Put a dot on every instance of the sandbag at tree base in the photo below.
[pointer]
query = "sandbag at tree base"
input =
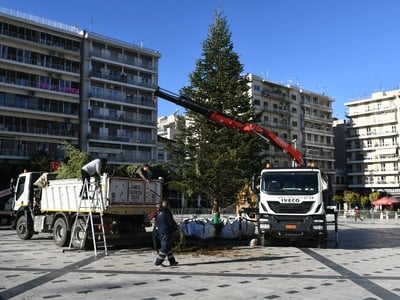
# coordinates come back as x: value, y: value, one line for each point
x: 233, y: 228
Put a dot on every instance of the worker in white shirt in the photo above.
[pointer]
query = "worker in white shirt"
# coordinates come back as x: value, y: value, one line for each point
x: 92, y: 168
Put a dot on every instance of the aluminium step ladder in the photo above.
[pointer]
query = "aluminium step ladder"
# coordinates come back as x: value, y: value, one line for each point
x: 89, y: 218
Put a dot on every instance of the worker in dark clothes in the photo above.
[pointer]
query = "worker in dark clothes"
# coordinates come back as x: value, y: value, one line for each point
x: 153, y: 217
x: 166, y: 227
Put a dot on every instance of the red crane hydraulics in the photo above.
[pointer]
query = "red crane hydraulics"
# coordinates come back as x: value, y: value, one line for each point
x: 218, y: 117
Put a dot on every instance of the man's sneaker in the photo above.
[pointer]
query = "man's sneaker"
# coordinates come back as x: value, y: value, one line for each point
x: 173, y: 263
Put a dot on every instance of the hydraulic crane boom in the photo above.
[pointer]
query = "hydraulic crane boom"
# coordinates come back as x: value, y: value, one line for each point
x: 218, y: 117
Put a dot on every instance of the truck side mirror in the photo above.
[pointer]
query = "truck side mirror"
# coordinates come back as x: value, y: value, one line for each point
x: 12, y: 185
x: 324, y: 185
x: 254, y: 186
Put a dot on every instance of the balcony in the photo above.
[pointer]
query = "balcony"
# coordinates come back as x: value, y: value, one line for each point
x: 16, y: 131
x: 122, y: 78
x: 119, y: 96
x: 114, y: 138
x: 123, y: 58
x: 120, y: 117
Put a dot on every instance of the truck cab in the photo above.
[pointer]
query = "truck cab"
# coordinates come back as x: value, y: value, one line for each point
x: 291, y: 205
x: 23, y: 204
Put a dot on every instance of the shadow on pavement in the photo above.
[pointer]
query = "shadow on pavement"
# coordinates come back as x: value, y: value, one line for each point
x: 369, y: 238
x: 236, y: 260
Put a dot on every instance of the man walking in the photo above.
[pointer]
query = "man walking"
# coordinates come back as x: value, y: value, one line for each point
x: 166, y: 226
x: 357, y: 214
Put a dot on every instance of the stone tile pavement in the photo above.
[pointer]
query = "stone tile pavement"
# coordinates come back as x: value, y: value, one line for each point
x: 365, y: 265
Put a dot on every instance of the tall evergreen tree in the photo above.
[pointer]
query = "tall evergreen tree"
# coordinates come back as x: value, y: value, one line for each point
x: 213, y: 160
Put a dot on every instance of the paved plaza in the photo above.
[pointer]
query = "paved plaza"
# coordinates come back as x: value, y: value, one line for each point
x: 365, y: 265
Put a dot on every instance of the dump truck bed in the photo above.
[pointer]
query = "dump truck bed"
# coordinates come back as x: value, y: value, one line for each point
x: 120, y: 195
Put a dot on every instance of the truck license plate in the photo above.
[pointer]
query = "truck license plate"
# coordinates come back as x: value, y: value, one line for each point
x: 291, y: 226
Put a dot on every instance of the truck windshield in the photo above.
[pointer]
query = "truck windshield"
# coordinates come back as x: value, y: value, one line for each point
x: 289, y: 183
x: 20, y: 187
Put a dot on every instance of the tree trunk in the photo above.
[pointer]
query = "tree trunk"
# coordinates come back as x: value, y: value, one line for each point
x: 216, y: 215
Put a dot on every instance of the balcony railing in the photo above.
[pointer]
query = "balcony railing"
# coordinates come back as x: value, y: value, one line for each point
x: 122, y: 58
x: 119, y: 96
x: 56, y: 133
x: 40, y: 85
x: 114, y: 138
x: 128, y: 79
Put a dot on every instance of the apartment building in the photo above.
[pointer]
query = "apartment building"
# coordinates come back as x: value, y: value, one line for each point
x: 301, y: 117
x: 167, y: 126
x: 372, y: 143
x: 60, y: 83
x: 339, y: 185
x: 167, y: 129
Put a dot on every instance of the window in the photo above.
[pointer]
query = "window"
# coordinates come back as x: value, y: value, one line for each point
x: 20, y: 187
x: 21, y: 101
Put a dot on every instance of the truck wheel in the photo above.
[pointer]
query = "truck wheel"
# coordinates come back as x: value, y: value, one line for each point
x: 24, y: 230
x: 79, y: 237
x: 60, y: 233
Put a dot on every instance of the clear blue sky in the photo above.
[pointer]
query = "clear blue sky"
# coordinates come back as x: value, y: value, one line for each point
x: 346, y: 49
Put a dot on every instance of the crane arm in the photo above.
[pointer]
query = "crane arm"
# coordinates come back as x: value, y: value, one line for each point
x: 218, y: 117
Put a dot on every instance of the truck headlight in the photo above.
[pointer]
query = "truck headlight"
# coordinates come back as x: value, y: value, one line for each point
x: 265, y: 226
x: 318, y: 227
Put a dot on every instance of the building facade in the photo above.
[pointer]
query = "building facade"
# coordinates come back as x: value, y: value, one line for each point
x: 62, y: 84
x: 300, y: 117
x: 167, y: 129
x: 372, y: 143
x: 339, y: 185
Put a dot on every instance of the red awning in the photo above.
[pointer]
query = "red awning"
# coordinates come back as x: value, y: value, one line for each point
x: 386, y: 201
